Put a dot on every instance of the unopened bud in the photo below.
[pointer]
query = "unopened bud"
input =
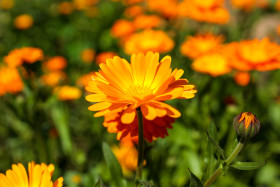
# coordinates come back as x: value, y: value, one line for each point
x: 246, y: 124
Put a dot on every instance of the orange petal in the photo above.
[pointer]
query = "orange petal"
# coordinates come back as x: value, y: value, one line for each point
x: 96, y: 97
x: 128, y: 115
x: 100, y: 106
x: 148, y: 112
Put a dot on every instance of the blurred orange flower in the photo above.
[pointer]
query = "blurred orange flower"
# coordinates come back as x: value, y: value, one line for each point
x: 167, y: 8
x: 200, y: 44
x: 83, y: 81
x: 10, y: 80
x: 19, y: 56
x: 119, y: 88
x: 65, y: 7
x: 211, y: 11
x: 261, y: 55
x: 87, y: 55
x: 83, y: 4
x: 39, y: 175
x: 277, y: 5
x: 6, y: 4
x: 65, y: 93
x: 131, y: 2
x: 147, y: 21
x: 23, y: 21
x: 149, y: 40
x: 213, y: 63
x: 101, y: 57
x: 278, y: 29
x: 55, y: 63
x: 122, y: 28
x: 248, y: 5
x: 53, y: 78
x: 133, y: 11
x: 242, y: 78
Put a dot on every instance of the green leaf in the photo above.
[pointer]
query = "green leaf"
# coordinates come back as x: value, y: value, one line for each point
x: 212, y: 133
x: 113, y: 164
x: 98, y: 184
x: 144, y: 183
x: 195, y: 181
x: 247, y: 165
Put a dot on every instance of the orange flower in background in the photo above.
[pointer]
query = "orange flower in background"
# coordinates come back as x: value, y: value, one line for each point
x: 149, y: 40
x: 6, y: 4
x: 10, y: 80
x: 39, y: 175
x: 200, y: 44
x: 147, y: 21
x: 131, y: 2
x: 278, y: 29
x: 83, y: 81
x: 24, y: 21
x: 167, y: 8
x: 211, y: 11
x: 213, y: 64
x: 55, y: 63
x: 261, y: 55
x: 242, y: 78
x: 122, y: 28
x: 83, y: 4
x: 19, y: 56
x: 133, y: 11
x: 53, y: 78
x: 65, y: 7
x: 277, y: 5
x: 119, y: 88
x: 65, y: 93
x: 88, y: 55
x: 248, y: 5
x: 101, y: 57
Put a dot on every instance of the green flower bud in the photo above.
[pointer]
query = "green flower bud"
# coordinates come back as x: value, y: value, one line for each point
x: 246, y: 124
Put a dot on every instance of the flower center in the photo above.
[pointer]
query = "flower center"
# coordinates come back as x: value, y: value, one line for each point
x: 139, y: 91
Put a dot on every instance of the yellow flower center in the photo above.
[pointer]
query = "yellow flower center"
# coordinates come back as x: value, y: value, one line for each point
x: 255, y: 54
x: 139, y: 91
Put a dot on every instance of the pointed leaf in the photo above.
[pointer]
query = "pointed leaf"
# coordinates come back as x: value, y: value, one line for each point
x: 98, y: 184
x: 216, y: 145
x: 195, y: 181
x: 247, y: 165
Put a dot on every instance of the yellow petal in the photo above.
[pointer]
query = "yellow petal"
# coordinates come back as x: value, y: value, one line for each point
x: 96, y: 97
x: 148, y: 112
x: 128, y: 115
x: 100, y: 106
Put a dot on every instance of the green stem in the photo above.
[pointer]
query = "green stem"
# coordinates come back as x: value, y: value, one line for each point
x: 228, y: 161
x: 140, y: 145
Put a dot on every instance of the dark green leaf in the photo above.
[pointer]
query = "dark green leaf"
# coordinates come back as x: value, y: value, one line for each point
x: 216, y: 145
x: 113, y: 164
x: 195, y: 181
x: 144, y: 183
x: 247, y: 165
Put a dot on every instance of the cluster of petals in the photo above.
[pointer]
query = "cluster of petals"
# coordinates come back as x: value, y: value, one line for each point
x: 10, y: 80
x: 65, y: 93
x: 39, y: 175
x: 55, y: 63
x: 120, y: 88
x: 149, y: 40
x: 200, y: 44
x: 167, y: 8
x: 211, y: 11
x: 23, y: 21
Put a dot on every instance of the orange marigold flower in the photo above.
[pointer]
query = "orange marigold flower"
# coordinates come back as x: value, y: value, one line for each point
x: 88, y: 55
x: 6, y: 4
x: 17, y: 57
x: 101, y: 57
x: 53, y: 78
x: 200, y: 44
x: 213, y: 64
x: 39, y: 176
x: 277, y: 5
x: 242, y: 78
x: 248, y: 5
x: 246, y: 124
x: 67, y: 93
x: 133, y: 11
x: 122, y: 28
x: 131, y: 2
x: 211, y: 11
x: 55, y: 63
x: 147, y: 21
x: 149, y: 40
x: 84, y: 4
x: 23, y: 21
x: 65, y: 8
x: 261, y: 55
x: 83, y: 81
x: 10, y: 80
x: 119, y: 88
x: 167, y: 8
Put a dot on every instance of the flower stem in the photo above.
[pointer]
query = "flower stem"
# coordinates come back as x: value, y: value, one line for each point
x: 140, y: 145
x: 228, y: 161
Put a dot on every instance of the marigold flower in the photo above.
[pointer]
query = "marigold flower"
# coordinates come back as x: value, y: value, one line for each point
x: 242, y: 78
x: 211, y: 11
x: 133, y: 11
x: 167, y: 8
x: 277, y: 5
x: 65, y: 8
x: 261, y: 55
x: 101, y: 57
x: 10, y: 80
x: 83, y: 4
x: 213, y: 64
x: 19, y: 56
x: 149, y: 40
x: 200, y: 44
x: 23, y: 21
x: 88, y: 55
x: 248, y: 5
x: 246, y: 124
x: 55, y: 63
x: 53, y: 78
x: 147, y: 21
x: 39, y: 176
x: 119, y: 88
x: 65, y: 93
x: 83, y: 81
x: 122, y: 28
x: 6, y: 4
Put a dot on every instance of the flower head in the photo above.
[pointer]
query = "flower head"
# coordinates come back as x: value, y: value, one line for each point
x: 10, y: 80
x: 53, y: 78
x: 65, y: 93
x: 147, y: 21
x: 120, y: 88
x: 242, y: 78
x: 39, y: 176
x: 101, y: 57
x: 149, y: 40
x: 65, y: 8
x: 246, y: 124
x: 24, y: 21
x: 122, y: 28
x: 6, y: 4
x: 55, y: 63
x: 87, y: 55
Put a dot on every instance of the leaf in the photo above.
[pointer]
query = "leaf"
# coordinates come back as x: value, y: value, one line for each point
x: 98, y: 184
x: 195, y: 181
x: 144, y: 183
x: 212, y: 129
x: 113, y: 164
x: 247, y: 165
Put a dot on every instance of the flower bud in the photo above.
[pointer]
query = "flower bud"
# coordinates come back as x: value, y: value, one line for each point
x: 246, y: 124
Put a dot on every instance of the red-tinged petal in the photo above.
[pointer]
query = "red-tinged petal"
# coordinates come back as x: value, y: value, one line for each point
x: 128, y: 115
